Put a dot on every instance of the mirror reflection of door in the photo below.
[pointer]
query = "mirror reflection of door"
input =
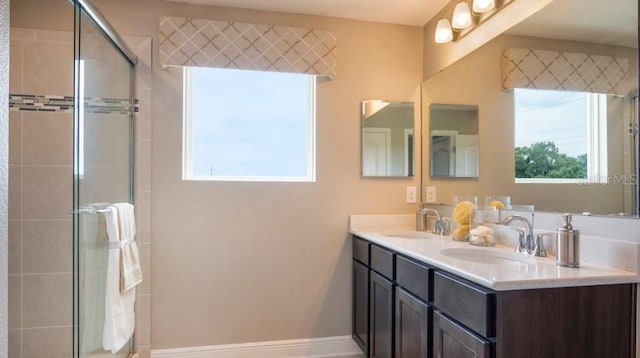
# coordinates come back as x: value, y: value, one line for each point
x: 454, y: 140
x: 376, y: 151
x: 443, y: 159
x: 467, y: 155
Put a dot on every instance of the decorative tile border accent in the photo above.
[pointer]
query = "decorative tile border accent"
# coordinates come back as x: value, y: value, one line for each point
x: 564, y: 71
x: 225, y: 44
x: 48, y: 103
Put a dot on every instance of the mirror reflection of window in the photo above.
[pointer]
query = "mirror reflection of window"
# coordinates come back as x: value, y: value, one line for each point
x: 560, y: 136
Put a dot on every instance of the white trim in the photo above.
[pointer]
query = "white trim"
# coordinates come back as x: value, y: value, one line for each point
x: 309, y: 348
x: 550, y: 181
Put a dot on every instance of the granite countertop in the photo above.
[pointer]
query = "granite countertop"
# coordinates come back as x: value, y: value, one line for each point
x: 538, y: 272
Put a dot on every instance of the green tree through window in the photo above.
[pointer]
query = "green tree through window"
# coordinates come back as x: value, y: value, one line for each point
x: 543, y: 160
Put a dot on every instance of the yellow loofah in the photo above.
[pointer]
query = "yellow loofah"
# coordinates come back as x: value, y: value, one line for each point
x: 497, y: 204
x: 464, y: 212
x: 461, y: 232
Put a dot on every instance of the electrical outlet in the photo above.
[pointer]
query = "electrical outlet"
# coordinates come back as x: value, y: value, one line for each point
x: 431, y: 194
x: 411, y: 195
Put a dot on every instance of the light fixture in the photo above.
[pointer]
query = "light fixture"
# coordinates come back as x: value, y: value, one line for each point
x: 461, y: 16
x: 443, y: 31
x: 464, y: 20
x: 482, y: 6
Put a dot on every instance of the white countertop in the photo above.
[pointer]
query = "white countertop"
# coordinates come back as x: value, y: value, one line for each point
x: 539, y: 272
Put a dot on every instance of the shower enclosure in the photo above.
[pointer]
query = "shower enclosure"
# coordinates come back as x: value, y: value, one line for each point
x: 104, y: 79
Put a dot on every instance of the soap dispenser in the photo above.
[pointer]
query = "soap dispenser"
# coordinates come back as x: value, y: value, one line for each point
x: 568, y: 244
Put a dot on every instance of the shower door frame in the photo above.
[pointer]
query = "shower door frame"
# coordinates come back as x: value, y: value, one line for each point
x: 85, y: 8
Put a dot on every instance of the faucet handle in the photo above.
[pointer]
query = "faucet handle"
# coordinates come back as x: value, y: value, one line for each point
x: 539, y: 246
x: 441, y: 226
x: 521, y: 247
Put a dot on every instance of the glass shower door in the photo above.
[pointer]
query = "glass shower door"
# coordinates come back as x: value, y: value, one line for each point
x: 103, y: 168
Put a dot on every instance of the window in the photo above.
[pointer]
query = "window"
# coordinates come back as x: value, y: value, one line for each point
x: 248, y: 125
x: 561, y: 137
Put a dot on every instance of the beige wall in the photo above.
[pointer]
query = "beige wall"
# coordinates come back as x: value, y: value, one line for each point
x: 475, y: 80
x: 243, y: 262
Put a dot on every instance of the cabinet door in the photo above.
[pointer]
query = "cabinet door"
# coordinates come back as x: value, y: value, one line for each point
x: 413, y: 322
x: 381, y: 315
x: 451, y: 340
x: 361, y: 306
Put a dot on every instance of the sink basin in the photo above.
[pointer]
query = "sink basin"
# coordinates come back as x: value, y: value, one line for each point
x: 488, y: 256
x: 409, y: 234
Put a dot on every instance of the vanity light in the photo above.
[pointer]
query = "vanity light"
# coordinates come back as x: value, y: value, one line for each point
x: 482, y: 6
x: 463, y: 20
x: 444, y: 33
x: 461, y: 16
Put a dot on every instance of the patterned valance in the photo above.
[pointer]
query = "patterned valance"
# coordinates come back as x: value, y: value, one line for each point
x: 565, y: 71
x: 224, y: 44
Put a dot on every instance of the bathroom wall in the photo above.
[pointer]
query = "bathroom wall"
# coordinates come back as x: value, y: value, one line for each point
x: 480, y: 73
x: 246, y: 262
x: 40, y: 197
x: 4, y: 169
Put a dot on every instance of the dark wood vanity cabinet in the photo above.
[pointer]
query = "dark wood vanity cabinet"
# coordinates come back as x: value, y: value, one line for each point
x: 413, y: 326
x: 411, y: 310
x: 360, y: 292
x: 361, y: 305
x: 381, y: 317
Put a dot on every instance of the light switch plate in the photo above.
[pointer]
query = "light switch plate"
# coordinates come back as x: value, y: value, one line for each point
x: 411, y: 195
x: 431, y: 195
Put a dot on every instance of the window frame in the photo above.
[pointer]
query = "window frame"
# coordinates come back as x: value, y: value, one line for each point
x: 187, y: 155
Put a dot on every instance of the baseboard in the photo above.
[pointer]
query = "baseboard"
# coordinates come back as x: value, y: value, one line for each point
x: 307, y: 348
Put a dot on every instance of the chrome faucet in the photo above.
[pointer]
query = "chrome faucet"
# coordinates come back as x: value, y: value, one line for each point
x: 527, y: 242
x: 439, y: 226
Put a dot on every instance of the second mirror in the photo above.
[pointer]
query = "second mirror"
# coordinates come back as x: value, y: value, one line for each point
x: 454, y: 141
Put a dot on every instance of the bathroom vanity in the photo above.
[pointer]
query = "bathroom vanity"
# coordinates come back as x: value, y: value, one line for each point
x: 431, y: 297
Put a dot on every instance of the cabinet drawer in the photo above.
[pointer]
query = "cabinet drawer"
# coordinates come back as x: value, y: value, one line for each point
x: 470, y: 304
x: 414, y: 277
x: 382, y: 261
x: 361, y: 250
x: 452, y: 340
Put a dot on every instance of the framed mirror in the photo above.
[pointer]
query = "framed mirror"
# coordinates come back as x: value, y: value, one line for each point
x: 570, y: 146
x: 454, y: 140
x: 387, y: 140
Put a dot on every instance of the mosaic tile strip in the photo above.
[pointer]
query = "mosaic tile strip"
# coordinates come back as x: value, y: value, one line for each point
x: 566, y: 71
x: 47, y: 103
x: 223, y: 44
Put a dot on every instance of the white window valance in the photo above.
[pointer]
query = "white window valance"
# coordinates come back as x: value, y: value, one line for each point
x: 565, y: 71
x: 226, y: 44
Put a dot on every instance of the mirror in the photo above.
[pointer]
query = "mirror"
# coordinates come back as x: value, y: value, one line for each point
x: 599, y: 175
x: 387, y: 138
x: 454, y: 140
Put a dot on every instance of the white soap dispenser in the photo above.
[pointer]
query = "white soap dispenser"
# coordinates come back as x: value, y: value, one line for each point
x: 568, y: 244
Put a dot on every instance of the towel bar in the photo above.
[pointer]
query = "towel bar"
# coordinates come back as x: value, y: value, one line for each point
x: 88, y: 211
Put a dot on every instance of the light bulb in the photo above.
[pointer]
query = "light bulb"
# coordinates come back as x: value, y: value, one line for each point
x: 443, y: 31
x: 480, y: 6
x: 461, y: 16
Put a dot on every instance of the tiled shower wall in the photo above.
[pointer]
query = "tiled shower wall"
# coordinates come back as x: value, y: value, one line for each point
x: 40, y: 197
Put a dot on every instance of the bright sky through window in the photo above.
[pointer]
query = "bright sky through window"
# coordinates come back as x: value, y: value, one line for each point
x: 555, y: 116
x: 249, y: 125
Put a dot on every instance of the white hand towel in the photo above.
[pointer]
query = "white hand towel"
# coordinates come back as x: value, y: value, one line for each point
x: 130, y: 270
x: 119, y: 322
